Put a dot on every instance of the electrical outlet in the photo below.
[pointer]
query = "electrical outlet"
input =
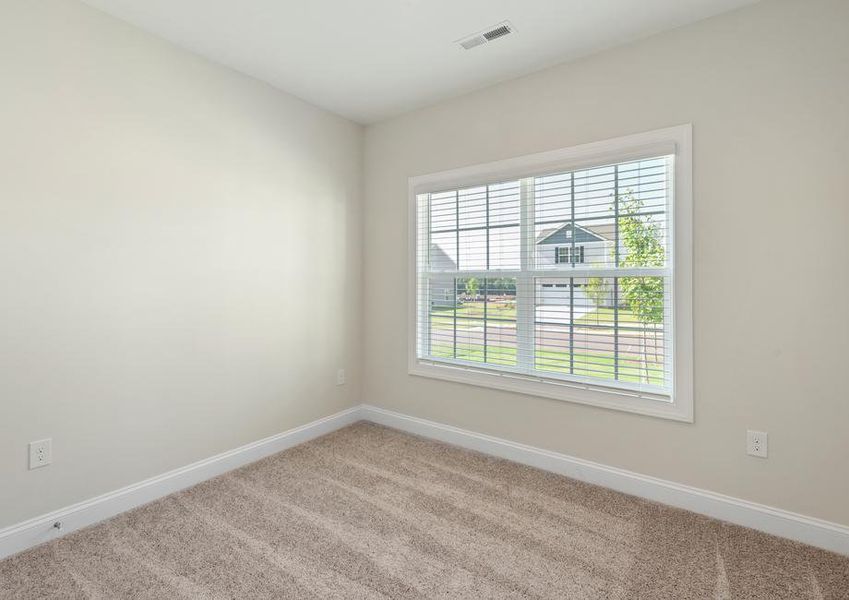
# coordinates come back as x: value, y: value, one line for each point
x: 40, y: 453
x: 340, y: 377
x: 757, y: 443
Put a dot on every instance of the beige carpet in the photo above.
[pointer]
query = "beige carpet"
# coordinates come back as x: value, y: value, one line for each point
x: 369, y: 512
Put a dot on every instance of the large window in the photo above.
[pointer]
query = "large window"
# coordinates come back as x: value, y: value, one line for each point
x: 564, y: 274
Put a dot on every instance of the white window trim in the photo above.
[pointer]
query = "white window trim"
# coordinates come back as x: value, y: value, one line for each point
x: 673, y: 140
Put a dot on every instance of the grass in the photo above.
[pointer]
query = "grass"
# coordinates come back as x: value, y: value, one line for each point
x: 588, y: 364
x: 599, y: 365
x: 605, y: 316
x: 463, y: 323
x: 475, y: 310
x: 443, y: 318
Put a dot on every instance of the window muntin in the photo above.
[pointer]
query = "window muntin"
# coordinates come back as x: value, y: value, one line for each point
x: 606, y: 320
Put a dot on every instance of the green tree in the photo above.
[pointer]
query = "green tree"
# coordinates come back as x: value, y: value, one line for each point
x: 472, y: 286
x: 502, y: 285
x: 643, y: 247
x: 598, y: 290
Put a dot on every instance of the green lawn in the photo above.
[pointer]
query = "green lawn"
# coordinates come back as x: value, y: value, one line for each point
x: 443, y: 318
x: 475, y: 310
x: 604, y: 316
x: 588, y: 364
x: 442, y: 323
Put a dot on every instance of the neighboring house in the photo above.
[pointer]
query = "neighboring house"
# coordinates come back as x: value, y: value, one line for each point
x: 557, y: 248
x: 572, y: 244
x: 565, y: 246
x: 441, y: 287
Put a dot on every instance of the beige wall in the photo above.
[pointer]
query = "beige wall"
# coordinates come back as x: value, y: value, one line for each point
x: 180, y: 251
x: 179, y: 256
x: 767, y: 91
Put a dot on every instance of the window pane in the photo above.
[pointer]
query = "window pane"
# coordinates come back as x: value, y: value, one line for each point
x: 475, y: 229
x: 473, y: 319
x: 643, y: 312
x: 641, y: 210
x: 594, y: 193
x: 470, y: 333
x: 472, y: 202
x: 553, y: 198
x: 441, y: 302
x: 552, y: 215
x: 443, y: 251
x: 647, y: 181
x: 595, y: 327
x: 504, y: 244
x: 472, y: 250
x: 581, y: 330
x: 552, y: 325
x: 642, y: 238
x: 443, y: 211
x: 504, y: 203
x: 500, y: 311
x: 575, y: 331
x: 594, y: 208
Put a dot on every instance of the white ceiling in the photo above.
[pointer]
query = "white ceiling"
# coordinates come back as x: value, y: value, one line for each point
x: 371, y: 59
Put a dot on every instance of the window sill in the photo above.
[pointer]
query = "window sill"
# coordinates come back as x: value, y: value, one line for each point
x: 564, y: 391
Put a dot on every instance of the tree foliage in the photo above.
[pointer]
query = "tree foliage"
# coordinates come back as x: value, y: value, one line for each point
x: 598, y: 290
x: 643, y: 247
x: 501, y: 286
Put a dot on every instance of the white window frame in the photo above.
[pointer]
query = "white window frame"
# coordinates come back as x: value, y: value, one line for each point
x: 673, y: 140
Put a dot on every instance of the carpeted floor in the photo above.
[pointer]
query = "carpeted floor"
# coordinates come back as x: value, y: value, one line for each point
x: 369, y: 512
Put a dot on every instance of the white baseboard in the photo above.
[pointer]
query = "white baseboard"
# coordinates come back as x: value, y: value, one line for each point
x: 36, y: 531
x: 816, y: 532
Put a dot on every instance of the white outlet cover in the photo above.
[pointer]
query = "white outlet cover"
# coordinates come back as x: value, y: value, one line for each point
x: 40, y: 453
x: 340, y: 377
x: 757, y: 443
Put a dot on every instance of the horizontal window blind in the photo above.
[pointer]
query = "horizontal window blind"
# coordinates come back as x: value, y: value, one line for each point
x: 564, y: 277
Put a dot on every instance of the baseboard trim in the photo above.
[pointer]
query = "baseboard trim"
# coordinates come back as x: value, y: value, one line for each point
x: 816, y: 532
x: 38, y: 530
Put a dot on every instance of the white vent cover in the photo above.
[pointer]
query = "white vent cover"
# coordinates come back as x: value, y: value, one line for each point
x: 488, y: 35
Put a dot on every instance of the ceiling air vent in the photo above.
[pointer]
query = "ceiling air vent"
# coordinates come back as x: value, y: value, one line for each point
x: 492, y: 33
x: 498, y: 32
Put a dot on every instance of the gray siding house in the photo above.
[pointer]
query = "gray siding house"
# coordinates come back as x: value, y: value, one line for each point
x: 556, y: 248
x: 565, y: 246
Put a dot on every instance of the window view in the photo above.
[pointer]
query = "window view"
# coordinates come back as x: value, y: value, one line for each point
x: 479, y: 321
x: 563, y: 276
x: 567, y: 254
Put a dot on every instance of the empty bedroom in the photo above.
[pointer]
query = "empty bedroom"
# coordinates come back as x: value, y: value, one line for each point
x: 413, y: 299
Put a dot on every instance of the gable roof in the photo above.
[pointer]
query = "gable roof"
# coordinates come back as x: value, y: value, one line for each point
x: 560, y: 235
x: 439, y: 259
